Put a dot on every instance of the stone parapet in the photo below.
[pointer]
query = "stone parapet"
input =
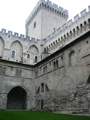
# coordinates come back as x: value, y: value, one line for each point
x: 70, y: 30
x: 84, y: 14
x: 12, y: 34
x: 48, y: 5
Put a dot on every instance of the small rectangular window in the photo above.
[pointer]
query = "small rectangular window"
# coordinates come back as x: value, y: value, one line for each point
x: 34, y: 26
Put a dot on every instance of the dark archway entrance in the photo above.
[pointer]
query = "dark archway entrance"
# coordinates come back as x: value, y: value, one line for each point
x: 16, y: 98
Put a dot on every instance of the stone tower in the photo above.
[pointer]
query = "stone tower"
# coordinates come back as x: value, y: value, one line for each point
x: 45, y: 19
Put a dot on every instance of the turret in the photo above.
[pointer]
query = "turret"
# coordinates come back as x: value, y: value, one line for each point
x: 44, y: 19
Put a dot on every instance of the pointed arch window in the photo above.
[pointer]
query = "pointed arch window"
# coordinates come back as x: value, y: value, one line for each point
x: 34, y: 25
x: 35, y: 59
x: 72, y: 58
x: 88, y: 81
x: 28, y: 56
x: 13, y: 54
x: 46, y: 88
x: 42, y: 87
x: 55, y: 64
x: 38, y: 90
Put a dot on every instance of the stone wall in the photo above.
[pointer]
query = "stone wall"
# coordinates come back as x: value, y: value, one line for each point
x: 15, y: 47
x: 63, y: 72
x: 61, y: 82
x: 14, y: 75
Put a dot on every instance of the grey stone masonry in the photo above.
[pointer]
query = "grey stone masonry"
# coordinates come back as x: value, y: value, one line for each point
x: 48, y: 69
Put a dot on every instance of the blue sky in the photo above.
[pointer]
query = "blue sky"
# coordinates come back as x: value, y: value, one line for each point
x: 13, y: 13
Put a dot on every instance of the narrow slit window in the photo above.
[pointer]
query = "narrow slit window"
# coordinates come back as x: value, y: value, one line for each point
x: 13, y: 54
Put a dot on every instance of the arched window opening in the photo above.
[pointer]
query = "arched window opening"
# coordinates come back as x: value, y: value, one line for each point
x: 55, y: 64
x: 85, y: 23
x: 53, y: 43
x: 71, y: 33
x: 38, y: 90
x: 56, y: 42
x: 74, y: 31
x: 59, y: 39
x: 61, y: 57
x: 71, y: 58
x: 16, y: 51
x: 88, y: 81
x: 67, y: 34
x: 45, y: 50
x: 46, y: 88
x: 81, y: 25
x: 35, y: 59
x: 89, y: 21
x: 64, y: 37
x: 28, y: 56
x: 42, y: 87
x: 13, y: 54
x: 77, y: 28
x: 33, y: 53
x: 34, y: 25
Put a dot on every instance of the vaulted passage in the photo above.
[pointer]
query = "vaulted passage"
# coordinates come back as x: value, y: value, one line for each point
x: 16, y: 98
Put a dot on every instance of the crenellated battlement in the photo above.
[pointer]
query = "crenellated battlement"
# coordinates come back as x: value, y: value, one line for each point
x: 71, y: 30
x: 50, y: 73
x: 49, y: 5
x: 52, y: 6
x: 72, y: 23
x: 12, y: 34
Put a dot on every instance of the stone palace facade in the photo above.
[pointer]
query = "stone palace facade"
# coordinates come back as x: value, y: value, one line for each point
x: 49, y: 67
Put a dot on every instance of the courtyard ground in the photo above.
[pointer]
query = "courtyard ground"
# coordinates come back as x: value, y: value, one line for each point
x: 19, y: 115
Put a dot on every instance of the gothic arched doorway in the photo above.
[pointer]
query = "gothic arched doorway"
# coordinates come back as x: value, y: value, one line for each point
x: 16, y: 98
